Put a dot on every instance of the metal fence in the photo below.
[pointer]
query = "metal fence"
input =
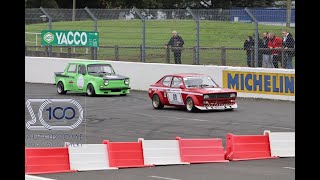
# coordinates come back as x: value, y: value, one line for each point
x: 211, y: 36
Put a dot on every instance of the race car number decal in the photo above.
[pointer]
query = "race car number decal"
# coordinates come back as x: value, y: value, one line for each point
x: 174, y: 98
x: 80, y: 82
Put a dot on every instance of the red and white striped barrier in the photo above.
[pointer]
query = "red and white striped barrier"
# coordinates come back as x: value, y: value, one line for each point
x: 125, y: 154
x: 201, y: 150
x: 247, y: 147
x: 47, y: 160
x: 282, y: 144
x: 161, y: 152
x: 144, y: 153
x: 87, y: 157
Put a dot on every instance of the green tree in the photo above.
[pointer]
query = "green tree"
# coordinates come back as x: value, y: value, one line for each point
x: 43, y: 3
x: 225, y: 4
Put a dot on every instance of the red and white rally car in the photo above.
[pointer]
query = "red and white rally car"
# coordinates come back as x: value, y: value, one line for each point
x: 192, y: 91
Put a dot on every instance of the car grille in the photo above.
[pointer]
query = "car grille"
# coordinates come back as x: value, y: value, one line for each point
x: 115, y: 90
x: 116, y: 82
x: 218, y: 96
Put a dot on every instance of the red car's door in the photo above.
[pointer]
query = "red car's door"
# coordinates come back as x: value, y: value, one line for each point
x: 166, y: 82
x: 174, y: 93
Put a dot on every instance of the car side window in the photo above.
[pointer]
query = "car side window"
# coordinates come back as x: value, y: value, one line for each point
x: 82, y: 69
x: 72, y: 68
x: 166, y: 81
x: 176, y: 82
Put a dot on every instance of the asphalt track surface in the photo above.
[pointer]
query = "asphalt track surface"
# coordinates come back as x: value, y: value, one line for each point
x: 127, y: 118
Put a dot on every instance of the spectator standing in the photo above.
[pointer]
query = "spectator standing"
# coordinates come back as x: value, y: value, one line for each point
x: 260, y: 45
x: 274, y: 45
x: 248, y: 46
x: 266, y: 54
x: 287, y: 42
x: 176, y: 43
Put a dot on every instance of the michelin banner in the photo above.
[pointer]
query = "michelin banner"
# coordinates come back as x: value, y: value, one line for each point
x: 260, y: 82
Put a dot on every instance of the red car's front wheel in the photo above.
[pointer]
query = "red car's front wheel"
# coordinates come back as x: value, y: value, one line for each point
x: 190, y: 105
x: 156, y: 103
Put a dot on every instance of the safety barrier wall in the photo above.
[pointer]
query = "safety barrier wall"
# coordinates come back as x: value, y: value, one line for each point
x: 147, y: 153
x: 249, y: 82
x: 282, y: 144
x: 89, y: 157
x: 125, y: 154
x: 47, y: 160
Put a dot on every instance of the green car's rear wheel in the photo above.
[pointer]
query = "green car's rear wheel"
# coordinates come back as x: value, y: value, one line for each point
x: 60, y: 88
x: 90, y: 90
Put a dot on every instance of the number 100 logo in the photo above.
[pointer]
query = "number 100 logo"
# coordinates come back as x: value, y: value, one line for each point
x: 54, y: 113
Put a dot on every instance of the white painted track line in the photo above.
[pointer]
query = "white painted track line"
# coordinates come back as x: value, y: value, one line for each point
x: 159, y: 177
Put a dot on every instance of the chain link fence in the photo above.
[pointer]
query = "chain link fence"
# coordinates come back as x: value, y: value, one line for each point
x: 214, y: 37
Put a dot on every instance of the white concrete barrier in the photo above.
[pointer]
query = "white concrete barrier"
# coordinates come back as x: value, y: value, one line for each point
x: 273, y: 83
x: 282, y: 144
x: 161, y: 152
x: 89, y: 157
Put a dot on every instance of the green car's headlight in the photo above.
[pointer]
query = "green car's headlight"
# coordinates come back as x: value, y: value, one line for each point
x: 206, y: 96
x: 126, y: 81
x: 106, y: 82
x: 233, y: 95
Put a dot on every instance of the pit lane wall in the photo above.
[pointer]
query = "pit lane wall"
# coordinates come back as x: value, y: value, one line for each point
x: 249, y: 82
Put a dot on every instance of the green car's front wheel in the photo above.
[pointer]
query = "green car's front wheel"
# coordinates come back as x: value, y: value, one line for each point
x: 90, y: 90
x: 60, y: 88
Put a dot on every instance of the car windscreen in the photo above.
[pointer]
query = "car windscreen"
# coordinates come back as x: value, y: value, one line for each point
x: 100, y: 69
x: 199, y: 81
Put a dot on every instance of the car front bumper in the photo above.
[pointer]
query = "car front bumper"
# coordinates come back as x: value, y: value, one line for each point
x: 113, y: 91
x: 233, y: 106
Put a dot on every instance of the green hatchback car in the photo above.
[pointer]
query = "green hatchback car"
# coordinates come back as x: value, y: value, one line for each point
x: 92, y: 78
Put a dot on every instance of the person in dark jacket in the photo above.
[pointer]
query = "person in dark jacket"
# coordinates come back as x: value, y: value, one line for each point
x: 248, y: 46
x: 260, y: 45
x: 176, y: 43
x: 266, y: 53
x: 288, y: 42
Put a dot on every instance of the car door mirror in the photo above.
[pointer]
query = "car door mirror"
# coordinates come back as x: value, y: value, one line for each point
x: 181, y: 86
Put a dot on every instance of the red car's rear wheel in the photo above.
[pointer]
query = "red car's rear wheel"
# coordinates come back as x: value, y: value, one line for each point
x: 156, y: 103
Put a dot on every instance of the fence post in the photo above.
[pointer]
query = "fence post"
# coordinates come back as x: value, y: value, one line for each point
x: 167, y: 55
x: 288, y: 13
x: 223, y: 56
x: 196, y: 59
x: 116, y: 52
x: 256, y: 37
x: 194, y: 54
x: 94, y: 54
x: 143, y: 50
x: 49, y: 28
